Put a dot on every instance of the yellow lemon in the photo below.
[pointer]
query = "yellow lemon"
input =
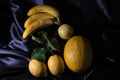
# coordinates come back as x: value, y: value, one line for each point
x: 56, y: 65
x: 37, y: 68
x: 65, y: 31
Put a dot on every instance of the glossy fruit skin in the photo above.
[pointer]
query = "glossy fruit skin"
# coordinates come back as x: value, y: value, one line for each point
x: 65, y: 31
x: 37, y: 68
x: 39, y: 17
x: 56, y: 65
x: 43, y: 8
x: 37, y: 25
x: 36, y: 17
x: 78, y: 54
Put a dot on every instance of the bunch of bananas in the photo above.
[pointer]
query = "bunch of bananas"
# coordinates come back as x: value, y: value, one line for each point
x: 40, y: 16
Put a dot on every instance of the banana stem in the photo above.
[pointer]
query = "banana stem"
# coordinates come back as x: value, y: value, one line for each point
x: 57, y: 21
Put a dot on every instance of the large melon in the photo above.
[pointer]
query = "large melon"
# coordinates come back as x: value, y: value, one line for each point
x: 78, y: 54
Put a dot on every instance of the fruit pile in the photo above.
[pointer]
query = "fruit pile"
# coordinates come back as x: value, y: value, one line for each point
x: 51, y: 57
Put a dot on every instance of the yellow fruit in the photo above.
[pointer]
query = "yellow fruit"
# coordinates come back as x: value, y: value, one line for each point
x: 78, y: 54
x: 44, y: 8
x: 37, y: 25
x: 65, y: 31
x: 56, y: 65
x: 36, y: 17
x: 37, y: 68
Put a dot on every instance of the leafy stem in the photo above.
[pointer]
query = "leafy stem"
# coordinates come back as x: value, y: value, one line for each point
x: 49, y: 43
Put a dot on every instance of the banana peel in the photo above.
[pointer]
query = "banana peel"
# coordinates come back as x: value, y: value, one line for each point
x: 44, y: 8
x: 37, y: 25
x: 35, y: 17
x: 40, y: 16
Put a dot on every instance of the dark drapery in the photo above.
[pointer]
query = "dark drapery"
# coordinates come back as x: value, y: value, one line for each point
x: 98, y: 20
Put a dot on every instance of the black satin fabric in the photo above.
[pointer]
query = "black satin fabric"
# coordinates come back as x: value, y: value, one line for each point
x: 97, y: 20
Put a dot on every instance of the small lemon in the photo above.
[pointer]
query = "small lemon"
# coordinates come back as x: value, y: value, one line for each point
x: 65, y: 31
x: 37, y: 68
x: 56, y: 65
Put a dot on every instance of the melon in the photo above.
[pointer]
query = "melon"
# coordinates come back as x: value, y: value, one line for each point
x: 78, y: 54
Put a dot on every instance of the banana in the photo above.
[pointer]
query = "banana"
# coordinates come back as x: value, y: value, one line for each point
x: 44, y: 8
x: 36, y: 17
x: 39, y: 24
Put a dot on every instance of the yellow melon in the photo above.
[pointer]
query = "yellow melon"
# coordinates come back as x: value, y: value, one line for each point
x: 78, y: 54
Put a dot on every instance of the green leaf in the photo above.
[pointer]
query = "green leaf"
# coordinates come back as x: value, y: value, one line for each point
x: 55, y: 44
x: 43, y: 34
x: 52, y: 43
x: 39, y: 54
x: 37, y: 39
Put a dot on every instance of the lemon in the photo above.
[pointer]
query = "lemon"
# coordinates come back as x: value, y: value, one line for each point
x: 78, y: 54
x: 65, y: 31
x: 56, y: 65
x: 37, y: 68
